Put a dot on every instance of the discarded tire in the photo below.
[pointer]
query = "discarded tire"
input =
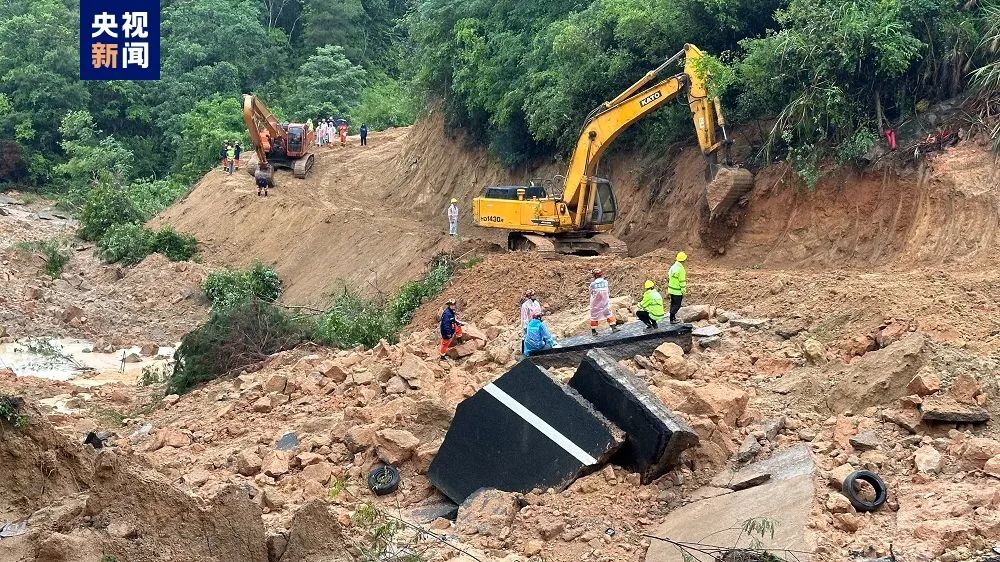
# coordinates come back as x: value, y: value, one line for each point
x: 857, y: 501
x: 383, y: 479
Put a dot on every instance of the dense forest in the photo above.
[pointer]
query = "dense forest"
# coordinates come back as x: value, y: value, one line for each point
x: 518, y: 75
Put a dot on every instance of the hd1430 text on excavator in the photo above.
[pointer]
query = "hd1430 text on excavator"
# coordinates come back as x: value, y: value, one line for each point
x: 580, y: 219
x: 278, y: 145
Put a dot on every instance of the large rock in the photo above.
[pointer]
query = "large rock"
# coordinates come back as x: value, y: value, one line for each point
x: 487, y: 512
x: 979, y: 450
x: 877, y: 377
x: 891, y: 334
x: 695, y: 312
x: 786, y: 498
x: 944, y: 408
x: 924, y: 384
x: 414, y: 371
x: 492, y: 319
x: 359, y: 438
x: 248, y: 463
x: 671, y: 358
x: 927, y: 459
x: 718, y: 401
x: 814, y: 351
x: 315, y: 535
x: 395, y: 446
x: 275, y: 464
x: 169, y: 437
x: 965, y: 388
x: 992, y: 466
x: 275, y: 383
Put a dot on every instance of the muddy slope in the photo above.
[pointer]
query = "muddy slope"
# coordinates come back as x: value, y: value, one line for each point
x: 371, y: 217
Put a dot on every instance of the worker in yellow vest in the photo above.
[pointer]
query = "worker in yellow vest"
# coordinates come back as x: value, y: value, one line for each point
x: 677, y: 285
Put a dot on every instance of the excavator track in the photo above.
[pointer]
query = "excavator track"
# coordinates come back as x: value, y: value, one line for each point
x: 302, y: 166
x: 535, y: 243
x: 615, y: 246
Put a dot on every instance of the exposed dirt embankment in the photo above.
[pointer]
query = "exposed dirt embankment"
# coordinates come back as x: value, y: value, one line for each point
x: 372, y: 216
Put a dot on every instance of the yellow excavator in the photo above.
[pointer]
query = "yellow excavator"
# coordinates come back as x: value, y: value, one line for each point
x: 580, y: 219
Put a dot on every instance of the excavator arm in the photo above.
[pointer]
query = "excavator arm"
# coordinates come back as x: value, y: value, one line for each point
x: 262, y: 126
x: 610, y: 119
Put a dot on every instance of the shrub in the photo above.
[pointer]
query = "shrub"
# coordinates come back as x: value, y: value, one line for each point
x: 107, y: 205
x: 353, y: 321
x: 10, y: 411
x: 233, y: 338
x: 53, y: 253
x: 231, y: 287
x: 125, y: 243
x: 175, y: 245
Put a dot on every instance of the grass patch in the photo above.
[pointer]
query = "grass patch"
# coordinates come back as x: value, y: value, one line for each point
x: 54, y: 253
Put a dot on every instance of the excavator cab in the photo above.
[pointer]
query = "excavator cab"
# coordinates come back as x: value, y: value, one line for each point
x: 605, y: 206
x: 296, y: 136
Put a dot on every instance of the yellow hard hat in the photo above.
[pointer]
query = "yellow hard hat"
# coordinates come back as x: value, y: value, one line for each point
x: 681, y: 256
x: 649, y: 284
x: 453, y: 200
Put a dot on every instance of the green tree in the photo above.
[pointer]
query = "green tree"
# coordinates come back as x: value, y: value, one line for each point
x: 327, y: 84
x: 210, y: 123
x: 91, y: 156
x: 39, y: 75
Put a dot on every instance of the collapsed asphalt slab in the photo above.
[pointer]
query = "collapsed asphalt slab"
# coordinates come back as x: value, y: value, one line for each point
x: 630, y: 340
x: 785, y: 497
x: 655, y: 437
x: 523, y: 431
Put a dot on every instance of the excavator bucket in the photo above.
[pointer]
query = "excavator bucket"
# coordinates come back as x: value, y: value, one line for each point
x: 729, y: 185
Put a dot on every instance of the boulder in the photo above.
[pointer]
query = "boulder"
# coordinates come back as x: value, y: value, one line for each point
x: 414, y: 371
x: 979, y: 450
x: 248, y: 463
x: 169, y: 437
x: 492, y: 319
x: 334, y: 371
x: 487, y: 512
x: 924, y: 384
x: 713, y: 342
x: 71, y: 313
x: 876, y: 377
x: 715, y: 400
x: 464, y: 349
x: 319, y: 472
x: 263, y: 404
x: 748, y: 449
x: 395, y: 446
x: 695, y: 312
x: 965, y: 388
x: 814, y: 351
x: 838, y: 503
x: 275, y: 383
x: 275, y: 464
x: 150, y: 350
x: 359, y: 438
x: 706, y: 331
x: 891, y: 333
x: 471, y: 332
x: 927, y: 459
x: 396, y: 385
x: 133, y: 358
x: 945, y: 408
x: 866, y: 441
x: 992, y: 466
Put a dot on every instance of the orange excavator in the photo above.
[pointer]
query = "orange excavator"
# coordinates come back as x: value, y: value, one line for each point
x: 278, y: 145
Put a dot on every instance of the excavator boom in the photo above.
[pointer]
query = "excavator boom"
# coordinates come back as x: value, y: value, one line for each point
x: 587, y: 206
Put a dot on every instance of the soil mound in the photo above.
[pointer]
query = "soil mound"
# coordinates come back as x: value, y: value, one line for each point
x: 80, y: 504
